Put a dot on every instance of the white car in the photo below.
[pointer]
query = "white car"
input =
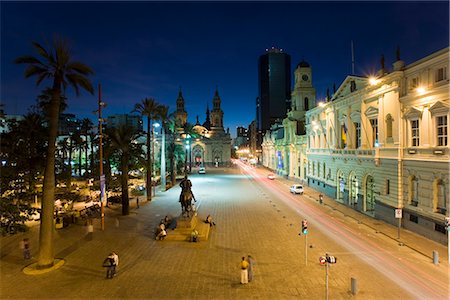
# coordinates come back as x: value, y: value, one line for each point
x: 201, y: 170
x: 296, y: 189
x: 271, y: 176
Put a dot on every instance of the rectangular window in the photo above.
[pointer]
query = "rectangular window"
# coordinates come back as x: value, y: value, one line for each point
x: 415, y: 133
x: 357, y: 135
x: 343, y: 136
x: 374, y: 123
x: 388, y: 186
x: 414, y: 83
x: 442, y: 136
x: 414, y: 218
x: 441, y: 74
x: 440, y: 228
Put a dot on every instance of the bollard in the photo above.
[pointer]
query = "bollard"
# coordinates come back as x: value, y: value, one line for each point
x: 435, y: 257
x: 354, y: 286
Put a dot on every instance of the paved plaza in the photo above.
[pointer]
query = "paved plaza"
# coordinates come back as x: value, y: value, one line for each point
x: 250, y: 220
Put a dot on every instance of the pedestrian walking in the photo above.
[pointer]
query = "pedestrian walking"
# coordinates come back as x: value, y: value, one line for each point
x: 25, y: 246
x: 116, y: 262
x: 108, y: 263
x: 244, y: 270
x: 251, y: 263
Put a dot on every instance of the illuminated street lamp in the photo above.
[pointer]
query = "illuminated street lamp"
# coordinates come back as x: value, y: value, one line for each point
x: 187, y: 146
x: 155, y: 125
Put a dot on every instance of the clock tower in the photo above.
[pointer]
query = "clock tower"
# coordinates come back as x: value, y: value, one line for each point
x: 304, y: 94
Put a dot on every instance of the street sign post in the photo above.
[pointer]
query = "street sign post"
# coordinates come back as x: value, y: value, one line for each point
x: 399, y: 216
x: 305, y: 232
x: 326, y: 260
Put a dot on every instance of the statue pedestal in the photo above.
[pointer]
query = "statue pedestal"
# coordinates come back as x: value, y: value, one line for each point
x: 186, y: 222
x: 185, y: 225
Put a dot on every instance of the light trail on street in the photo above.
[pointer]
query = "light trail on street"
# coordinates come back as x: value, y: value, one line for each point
x: 419, y: 282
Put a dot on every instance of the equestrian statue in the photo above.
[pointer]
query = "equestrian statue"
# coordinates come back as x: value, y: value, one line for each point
x: 186, y: 197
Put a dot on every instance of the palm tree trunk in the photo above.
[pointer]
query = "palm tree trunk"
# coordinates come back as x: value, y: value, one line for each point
x: 163, y: 160
x: 149, y: 165
x: 46, y: 247
x: 124, y: 184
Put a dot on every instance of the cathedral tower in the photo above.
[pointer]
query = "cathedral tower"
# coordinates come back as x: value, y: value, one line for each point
x: 180, y: 113
x: 216, y: 113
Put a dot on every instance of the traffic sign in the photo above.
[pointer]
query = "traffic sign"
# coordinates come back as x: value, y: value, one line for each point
x: 331, y: 259
x: 322, y: 260
x: 398, y: 213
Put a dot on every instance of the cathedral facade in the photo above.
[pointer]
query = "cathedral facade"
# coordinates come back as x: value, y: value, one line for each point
x: 208, y: 144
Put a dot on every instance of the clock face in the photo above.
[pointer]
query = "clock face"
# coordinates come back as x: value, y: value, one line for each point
x: 305, y: 77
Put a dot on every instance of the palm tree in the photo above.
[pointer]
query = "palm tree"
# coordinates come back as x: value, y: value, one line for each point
x: 149, y: 108
x: 57, y: 65
x: 123, y: 141
x: 86, y: 127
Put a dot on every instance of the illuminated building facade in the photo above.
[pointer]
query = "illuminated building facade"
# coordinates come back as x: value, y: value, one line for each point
x: 379, y: 144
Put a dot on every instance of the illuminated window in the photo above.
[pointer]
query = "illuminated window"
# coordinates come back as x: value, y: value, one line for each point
x: 415, y: 141
x: 441, y: 129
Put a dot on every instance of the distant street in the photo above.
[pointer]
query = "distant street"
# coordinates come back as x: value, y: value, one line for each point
x: 254, y: 215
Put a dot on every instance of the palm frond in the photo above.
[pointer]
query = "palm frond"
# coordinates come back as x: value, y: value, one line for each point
x: 34, y: 70
x: 40, y: 49
x: 79, y: 68
x: 28, y: 59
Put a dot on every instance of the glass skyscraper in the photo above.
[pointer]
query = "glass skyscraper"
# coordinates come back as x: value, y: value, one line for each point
x: 274, y: 84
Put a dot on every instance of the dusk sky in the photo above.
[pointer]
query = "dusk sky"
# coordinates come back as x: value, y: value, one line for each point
x: 150, y: 49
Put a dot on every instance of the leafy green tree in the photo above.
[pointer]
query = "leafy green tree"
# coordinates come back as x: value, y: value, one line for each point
x: 15, y: 209
x: 22, y: 148
x: 123, y: 141
x: 56, y: 64
x: 149, y: 108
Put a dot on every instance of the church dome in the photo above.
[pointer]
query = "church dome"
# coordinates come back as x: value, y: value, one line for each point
x: 303, y: 64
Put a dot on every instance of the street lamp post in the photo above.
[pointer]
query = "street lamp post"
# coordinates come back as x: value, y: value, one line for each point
x: 187, y: 146
x: 101, y: 104
x: 155, y: 125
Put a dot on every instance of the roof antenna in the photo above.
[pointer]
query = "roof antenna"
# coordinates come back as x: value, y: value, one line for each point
x: 353, y: 59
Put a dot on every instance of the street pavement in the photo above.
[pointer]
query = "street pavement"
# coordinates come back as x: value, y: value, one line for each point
x: 250, y: 220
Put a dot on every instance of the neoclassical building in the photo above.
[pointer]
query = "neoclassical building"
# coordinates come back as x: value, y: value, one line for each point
x: 284, y: 145
x: 381, y: 143
x: 214, y: 143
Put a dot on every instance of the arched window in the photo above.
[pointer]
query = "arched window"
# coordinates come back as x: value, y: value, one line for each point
x: 389, y: 121
x: 439, y: 197
x: 306, y: 103
x: 413, y: 184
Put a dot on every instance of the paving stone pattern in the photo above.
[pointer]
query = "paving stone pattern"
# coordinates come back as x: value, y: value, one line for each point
x: 250, y: 220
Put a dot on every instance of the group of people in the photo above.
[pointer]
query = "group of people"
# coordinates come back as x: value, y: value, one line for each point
x: 111, y: 263
x: 246, y: 266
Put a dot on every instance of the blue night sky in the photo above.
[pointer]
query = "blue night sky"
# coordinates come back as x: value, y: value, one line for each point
x: 150, y: 49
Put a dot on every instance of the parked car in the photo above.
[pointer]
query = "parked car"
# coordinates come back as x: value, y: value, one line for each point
x: 296, y: 189
x: 271, y: 176
x: 201, y: 170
